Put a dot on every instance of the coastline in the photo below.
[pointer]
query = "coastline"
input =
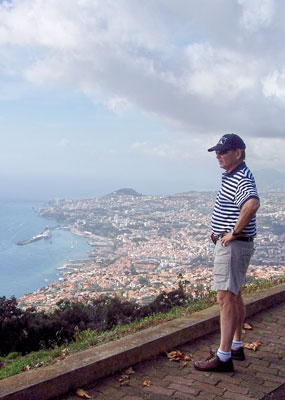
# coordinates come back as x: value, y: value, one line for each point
x: 26, y: 268
x: 72, y: 265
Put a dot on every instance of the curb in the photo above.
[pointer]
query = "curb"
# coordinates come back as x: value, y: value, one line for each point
x: 90, y: 365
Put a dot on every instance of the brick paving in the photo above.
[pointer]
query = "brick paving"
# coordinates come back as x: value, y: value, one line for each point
x: 260, y: 376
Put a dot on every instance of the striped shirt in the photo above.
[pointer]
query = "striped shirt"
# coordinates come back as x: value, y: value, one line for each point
x: 238, y: 186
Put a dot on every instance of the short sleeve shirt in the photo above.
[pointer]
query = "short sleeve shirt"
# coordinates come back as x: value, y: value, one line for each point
x: 237, y: 187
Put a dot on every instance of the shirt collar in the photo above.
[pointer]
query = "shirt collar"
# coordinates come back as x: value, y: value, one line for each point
x: 238, y: 168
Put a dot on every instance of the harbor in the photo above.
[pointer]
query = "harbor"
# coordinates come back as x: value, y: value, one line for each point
x: 45, y: 234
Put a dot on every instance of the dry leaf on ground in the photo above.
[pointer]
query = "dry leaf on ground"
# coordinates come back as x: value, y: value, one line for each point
x: 124, y: 376
x: 26, y: 368
x: 247, y: 326
x: 184, y: 364
x: 147, y: 383
x: 252, y: 346
x: 177, y: 356
x: 81, y: 393
x: 124, y: 382
x: 129, y: 371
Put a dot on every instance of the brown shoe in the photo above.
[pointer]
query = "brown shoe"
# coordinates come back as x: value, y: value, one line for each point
x: 236, y: 354
x: 214, y: 364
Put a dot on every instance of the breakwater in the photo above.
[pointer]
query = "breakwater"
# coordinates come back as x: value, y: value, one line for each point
x: 45, y: 234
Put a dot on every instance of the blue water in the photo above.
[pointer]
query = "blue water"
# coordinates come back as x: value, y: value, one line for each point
x: 24, y: 269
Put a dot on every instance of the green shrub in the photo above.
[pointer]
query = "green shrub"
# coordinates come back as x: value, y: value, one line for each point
x: 27, y: 331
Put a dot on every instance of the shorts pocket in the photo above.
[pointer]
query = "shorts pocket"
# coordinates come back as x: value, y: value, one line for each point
x: 245, y: 258
x: 222, y: 264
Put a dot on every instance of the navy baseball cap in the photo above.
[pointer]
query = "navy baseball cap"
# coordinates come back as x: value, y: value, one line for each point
x: 230, y: 141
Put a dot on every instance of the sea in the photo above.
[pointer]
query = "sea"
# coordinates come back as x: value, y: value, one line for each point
x: 26, y: 268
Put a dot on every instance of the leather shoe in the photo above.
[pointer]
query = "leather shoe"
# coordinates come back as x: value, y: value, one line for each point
x: 236, y: 354
x: 214, y: 364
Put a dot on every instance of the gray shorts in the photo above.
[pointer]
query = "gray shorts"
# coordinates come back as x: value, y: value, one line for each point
x: 230, y: 265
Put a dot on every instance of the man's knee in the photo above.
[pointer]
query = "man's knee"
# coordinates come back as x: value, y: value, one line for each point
x: 226, y: 297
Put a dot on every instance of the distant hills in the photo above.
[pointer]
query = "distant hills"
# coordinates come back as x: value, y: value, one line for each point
x: 124, y: 192
x: 269, y: 180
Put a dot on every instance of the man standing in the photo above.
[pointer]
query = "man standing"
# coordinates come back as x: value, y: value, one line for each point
x: 233, y: 231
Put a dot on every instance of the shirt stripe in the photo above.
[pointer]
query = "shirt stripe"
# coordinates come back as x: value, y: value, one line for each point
x: 237, y: 187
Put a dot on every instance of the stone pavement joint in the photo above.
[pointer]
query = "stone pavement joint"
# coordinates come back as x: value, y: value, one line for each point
x: 101, y: 367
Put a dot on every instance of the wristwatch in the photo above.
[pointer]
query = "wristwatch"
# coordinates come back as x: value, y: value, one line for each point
x: 235, y: 234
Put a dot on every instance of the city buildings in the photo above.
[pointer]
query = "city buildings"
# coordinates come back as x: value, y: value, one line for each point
x: 143, y: 245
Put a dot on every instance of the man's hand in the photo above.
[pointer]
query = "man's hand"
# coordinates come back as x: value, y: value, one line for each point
x: 247, y: 213
x: 227, y: 238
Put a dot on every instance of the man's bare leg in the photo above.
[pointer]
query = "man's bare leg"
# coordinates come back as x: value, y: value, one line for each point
x: 229, y: 317
x: 240, y: 318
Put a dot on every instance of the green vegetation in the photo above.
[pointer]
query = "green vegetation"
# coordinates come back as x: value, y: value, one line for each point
x: 84, y: 325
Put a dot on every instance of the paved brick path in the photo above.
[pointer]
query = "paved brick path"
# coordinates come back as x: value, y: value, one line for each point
x: 261, y: 373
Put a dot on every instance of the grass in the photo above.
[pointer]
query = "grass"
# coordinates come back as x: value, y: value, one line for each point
x: 15, y: 363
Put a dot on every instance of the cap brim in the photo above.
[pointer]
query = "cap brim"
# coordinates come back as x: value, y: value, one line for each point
x: 218, y: 147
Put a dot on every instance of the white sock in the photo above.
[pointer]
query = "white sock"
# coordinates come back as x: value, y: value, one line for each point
x: 236, y: 345
x: 224, y: 355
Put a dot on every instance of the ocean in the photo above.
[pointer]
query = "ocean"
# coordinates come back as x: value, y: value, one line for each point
x: 24, y: 269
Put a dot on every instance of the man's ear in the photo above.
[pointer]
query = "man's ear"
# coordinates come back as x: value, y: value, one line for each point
x: 238, y: 154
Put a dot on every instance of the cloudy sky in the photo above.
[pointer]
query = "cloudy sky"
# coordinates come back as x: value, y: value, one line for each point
x: 98, y: 95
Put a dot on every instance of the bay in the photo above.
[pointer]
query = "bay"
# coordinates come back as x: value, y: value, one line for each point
x: 24, y: 269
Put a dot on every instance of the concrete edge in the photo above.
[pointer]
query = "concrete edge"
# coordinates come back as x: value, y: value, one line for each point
x: 90, y: 365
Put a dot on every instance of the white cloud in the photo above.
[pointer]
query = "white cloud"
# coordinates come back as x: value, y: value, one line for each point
x: 118, y: 105
x: 150, y: 149
x: 200, y: 72
x: 266, y: 153
x: 257, y: 13
x: 63, y: 143
x: 274, y: 86
x: 218, y: 72
x: 179, y: 149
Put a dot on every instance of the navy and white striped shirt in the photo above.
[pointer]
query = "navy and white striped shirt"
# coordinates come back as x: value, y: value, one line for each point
x: 238, y: 186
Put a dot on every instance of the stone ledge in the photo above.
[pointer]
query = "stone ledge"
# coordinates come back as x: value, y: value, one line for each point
x: 90, y: 365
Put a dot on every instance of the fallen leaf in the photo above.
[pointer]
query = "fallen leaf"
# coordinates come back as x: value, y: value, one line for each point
x: 177, y: 356
x: 38, y: 365
x: 247, y: 326
x: 184, y: 364
x: 243, y: 331
x: 123, y: 378
x: 252, y: 346
x: 26, y: 368
x: 147, y: 383
x: 129, y: 371
x: 81, y: 393
x: 171, y: 355
x: 125, y: 382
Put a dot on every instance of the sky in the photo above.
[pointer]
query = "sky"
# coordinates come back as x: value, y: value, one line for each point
x: 100, y: 95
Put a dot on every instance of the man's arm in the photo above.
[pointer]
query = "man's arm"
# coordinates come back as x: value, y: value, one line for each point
x: 247, y: 213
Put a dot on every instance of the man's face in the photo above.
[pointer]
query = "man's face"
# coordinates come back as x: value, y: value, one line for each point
x: 229, y: 160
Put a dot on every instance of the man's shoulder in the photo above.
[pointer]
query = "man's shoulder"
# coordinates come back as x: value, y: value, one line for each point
x: 243, y: 172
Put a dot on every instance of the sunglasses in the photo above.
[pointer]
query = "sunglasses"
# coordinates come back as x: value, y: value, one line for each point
x: 221, y: 152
